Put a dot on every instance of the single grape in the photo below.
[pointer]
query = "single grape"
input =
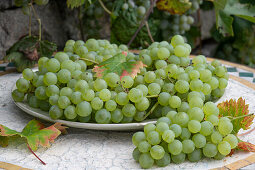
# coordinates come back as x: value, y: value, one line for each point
x: 164, y: 161
x: 153, y: 137
x: 175, y: 147
x: 224, y: 147
x: 194, y: 126
x: 188, y: 146
x: 174, y: 101
x: 28, y: 74
x: 210, y: 150
x: 232, y: 140
x: 55, y: 112
x: 181, y: 118
x: 135, y: 95
x: 18, y: 96
x: 138, y: 137
x: 199, y: 140
x: 157, y: 152
x: 180, y: 158
x: 22, y: 85
x: 116, y: 116
x: 182, y: 86
x: 146, y: 161
x: 103, y: 116
x: 195, y: 156
x: 185, y: 134
x: 64, y: 76
x: 176, y: 129
x: 216, y: 137
x: 143, y: 104
x: 83, y: 109
x: 69, y: 112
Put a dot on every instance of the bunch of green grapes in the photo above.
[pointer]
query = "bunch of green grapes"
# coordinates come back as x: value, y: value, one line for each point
x: 192, y: 134
x: 66, y: 86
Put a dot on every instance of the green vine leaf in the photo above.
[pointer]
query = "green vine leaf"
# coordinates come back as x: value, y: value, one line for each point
x: 174, y: 6
x: 118, y: 64
x: 234, y: 109
x: 75, y: 3
x: 34, y: 132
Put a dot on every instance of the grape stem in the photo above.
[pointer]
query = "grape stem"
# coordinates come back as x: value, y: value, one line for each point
x: 30, y: 21
x: 146, y: 16
x: 35, y: 155
x: 85, y: 59
x: 149, y: 31
x: 104, y: 7
x: 152, y: 96
x: 150, y: 112
x: 239, y: 117
x: 39, y: 22
x: 80, y: 22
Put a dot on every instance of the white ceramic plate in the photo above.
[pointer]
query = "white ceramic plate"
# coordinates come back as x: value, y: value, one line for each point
x: 116, y: 127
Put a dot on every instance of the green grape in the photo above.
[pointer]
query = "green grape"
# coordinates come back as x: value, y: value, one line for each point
x: 219, y: 156
x: 157, y: 152
x: 194, y: 94
x: 180, y: 158
x: 38, y: 81
x: 185, y: 61
x: 220, y: 71
x: 163, y: 53
x: 136, y: 154
x: 103, y: 116
x: 53, y: 100
x: 97, y: 103
x: 50, y: 79
x: 195, y: 156
x: 176, y: 129
x: 86, y: 76
x: 149, y: 77
x: 52, y: 90
x: 55, y: 112
x: 166, y: 109
x: 225, y: 127
x: 188, y: 146
x: 185, y: 134
x: 110, y: 105
x: 213, y: 119
x: 196, y: 85
x: 223, y: 83
x: 214, y: 83
x: 181, y: 86
x: 143, y: 88
x: 100, y: 84
x: 181, y: 51
x: 116, y: 116
x: 129, y: 110
x: 224, y: 148
x: 76, y: 97
x: 218, y: 92
x: 164, y: 98
x: 160, y: 74
x: 138, y: 137
x: 139, y: 80
x: 168, y: 136
x: 53, y: 65
x: 139, y: 116
x: 183, y: 76
x: 105, y: 94
x: 153, y: 137
x: 216, y: 137
x: 160, y: 82
x: 175, y: 147
x: 64, y: 76
x: 154, y: 89
x: 205, y: 75
x: 215, y: 63
x: 112, y: 79
x: 127, y: 81
x: 81, y: 85
x: 143, y: 104
x: 184, y: 107
x: 70, y: 43
x: 141, y: 10
x: 174, y: 60
x: 181, y: 118
x: 196, y: 102
x: 70, y: 113
x: 164, y: 161
x: 69, y: 65
x: 210, y: 150
x: 22, y: 85
x: 88, y: 95
x: 206, y: 128
x: 174, y: 101
x: 169, y: 88
x: 194, y: 126
x: 71, y: 83
x: 66, y: 91
x: 160, y: 64
x: 63, y: 102
x: 149, y: 127
x: 206, y: 89
x: 146, y: 59
x: 177, y: 40
x: 33, y: 102
x: 92, y: 44
x: 232, y: 140
x: 135, y: 95
x: 171, y: 115
x: 122, y: 98
x: 199, y: 140
x: 83, y: 109
x: 146, y: 161
x: 144, y: 147
x: 40, y: 93
x: 42, y: 61
x: 113, y: 95
x: 82, y: 64
x: 161, y: 127
x: 85, y: 119
x: 28, y: 74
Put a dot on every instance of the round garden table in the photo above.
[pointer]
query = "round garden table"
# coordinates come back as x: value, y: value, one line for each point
x: 99, y: 150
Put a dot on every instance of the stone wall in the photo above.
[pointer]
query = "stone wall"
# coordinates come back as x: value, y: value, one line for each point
x: 58, y: 23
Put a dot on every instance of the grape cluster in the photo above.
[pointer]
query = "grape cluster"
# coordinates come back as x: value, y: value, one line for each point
x: 181, y: 135
x: 66, y: 86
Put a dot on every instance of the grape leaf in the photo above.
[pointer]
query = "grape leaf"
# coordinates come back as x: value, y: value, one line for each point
x: 246, y: 146
x: 234, y: 109
x: 74, y: 3
x: 118, y: 64
x: 34, y: 132
x: 174, y: 6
